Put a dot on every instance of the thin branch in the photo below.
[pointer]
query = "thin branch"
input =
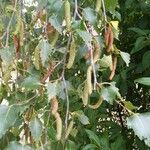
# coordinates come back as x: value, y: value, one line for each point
x: 104, y: 12
x: 67, y: 103
x: 93, y: 67
x: 76, y: 13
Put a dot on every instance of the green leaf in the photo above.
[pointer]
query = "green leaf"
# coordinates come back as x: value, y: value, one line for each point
x: 52, y: 89
x: 125, y: 57
x: 129, y: 105
x: 146, y: 60
x: 140, y: 43
x: 70, y: 145
x: 35, y: 126
x: 111, y: 5
x: 138, y: 31
x: 90, y: 15
x: 46, y: 50
x: 17, y: 146
x: 89, y: 147
x: 7, y: 54
x: 8, y: 116
x: 106, y: 61
x: 82, y: 117
x: 144, y: 80
x: 118, y: 144
x: 110, y: 93
x: 140, y: 123
x: 31, y: 82
x: 86, y: 36
x: 56, y: 23
x: 93, y: 137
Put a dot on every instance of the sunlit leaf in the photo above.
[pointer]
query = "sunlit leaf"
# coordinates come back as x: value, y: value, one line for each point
x: 110, y: 93
x: 8, y: 116
x: 115, y: 24
x: 144, y: 80
x: 35, y: 126
x: 89, y: 15
x: 140, y: 124
x: 17, y: 146
x: 125, y: 57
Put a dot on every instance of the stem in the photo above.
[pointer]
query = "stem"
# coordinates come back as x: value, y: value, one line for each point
x: 104, y: 12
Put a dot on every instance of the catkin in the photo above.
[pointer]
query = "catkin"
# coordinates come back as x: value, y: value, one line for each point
x: 37, y: 58
x: 67, y: 15
x: 98, y: 5
x: 21, y: 32
x: 58, y: 126
x: 97, y: 51
x: 85, y: 94
x: 72, y: 54
x: 97, y: 105
x: 89, y: 80
x: 7, y: 73
x: 54, y: 105
x: 113, y: 68
x: 70, y: 126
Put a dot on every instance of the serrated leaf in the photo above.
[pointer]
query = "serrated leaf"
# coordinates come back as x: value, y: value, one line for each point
x: 93, y: 137
x: 106, y: 61
x: 17, y: 146
x: 7, y: 54
x: 89, y: 14
x: 144, y: 81
x: 82, y: 117
x: 110, y: 93
x: 8, y: 116
x: 31, y: 82
x: 125, y: 57
x: 35, y: 126
x: 140, y: 124
x: 46, y: 50
x: 86, y: 36
x: 56, y: 23
x: 52, y: 89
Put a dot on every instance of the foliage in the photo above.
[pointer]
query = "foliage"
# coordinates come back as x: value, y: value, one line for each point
x: 74, y: 74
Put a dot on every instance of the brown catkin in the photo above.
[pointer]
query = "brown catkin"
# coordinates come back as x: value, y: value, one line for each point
x: 113, y: 68
x: 67, y: 15
x: 107, y: 32
x: 70, y: 126
x: 97, y: 105
x: 110, y: 40
x: 54, y: 105
x: 72, y: 54
x: 58, y: 126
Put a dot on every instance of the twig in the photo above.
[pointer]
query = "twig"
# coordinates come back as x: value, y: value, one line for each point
x: 76, y: 13
x: 93, y: 67
x: 104, y: 12
x: 67, y: 101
